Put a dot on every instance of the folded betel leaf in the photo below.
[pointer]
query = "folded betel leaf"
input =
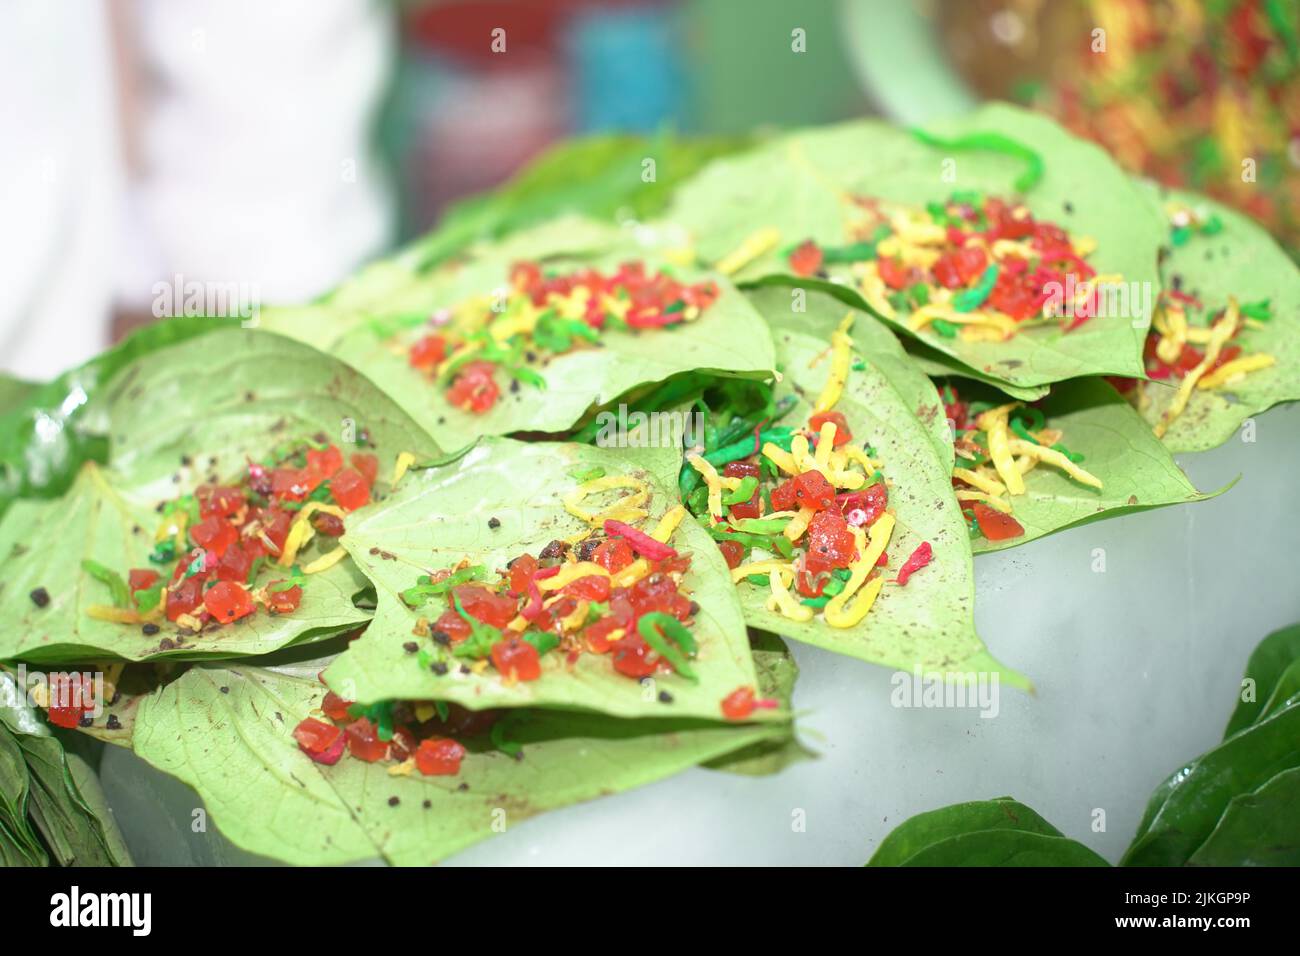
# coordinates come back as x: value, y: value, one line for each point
x: 1225, y: 343
x: 997, y: 239
x: 1024, y: 470
x: 547, y: 574
x: 530, y: 333
x: 838, y: 520
x: 51, y: 805
x: 604, y: 177
x: 286, y: 774
x: 212, y: 529
x: 1000, y: 832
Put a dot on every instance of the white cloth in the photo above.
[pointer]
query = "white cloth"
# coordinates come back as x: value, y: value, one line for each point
x: 257, y: 160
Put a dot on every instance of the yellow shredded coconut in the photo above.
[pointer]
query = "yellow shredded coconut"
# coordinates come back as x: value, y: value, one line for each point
x: 783, y: 601
x: 1221, y: 331
x: 994, y: 502
x: 799, y: 523
x: 1230, y: 371
x: 325, y: 561
x: 739, y: 574
x: 571, y: 572
x: 984, y: 483
x: 994, y: 424
x: 301, y: 532
x: 841, y: 359
x: 626, y: 509
x: 404, y: 461
x: 1053, y: 457
x: 758, y: 244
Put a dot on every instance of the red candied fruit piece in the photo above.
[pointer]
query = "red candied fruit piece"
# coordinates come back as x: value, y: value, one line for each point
x: 806, y: 259
x: 733, y: 552
x: 522, y: 570
x: 829, y: 542
x: 842, y: 433
x: 292, y: 484
x: 364, y: 742
x: 320, y: 741
x: 591, y: 587
x: 235, y: 564
x: 349, y: 490
x: 439, y: 757
x: 484, y: 604
x: 740, y: 469
x: 812, y: 490
x: 403, y: 744
x: 214, y: 534
x: 597, y: 634
x: 142, y: 579
x: 428, y: 351
x: 324, y: 463
x: 334, y: 706
x: 453, y: 625
x: 739, y: 704
x: 219, y: 500
x: 284, y: 602
x: 613, y: 554
x: 227, y: 601
x: 184, y: 597
x: 275, y: 523
x: 66, y: 700
x: 517, y: 657
x: 862, y: 508
x: 996, y: 526
x: 474, y: 388
x: 783, y: 496
x: 368, y: 465
x: 633, y: 657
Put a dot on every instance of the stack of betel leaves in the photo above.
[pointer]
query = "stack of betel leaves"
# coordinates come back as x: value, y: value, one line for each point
x: 520, y: 516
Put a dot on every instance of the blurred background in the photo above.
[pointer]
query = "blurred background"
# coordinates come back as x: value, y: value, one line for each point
x: 278, y: 146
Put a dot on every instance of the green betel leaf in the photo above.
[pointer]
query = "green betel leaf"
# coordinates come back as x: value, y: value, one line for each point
x: 1260, y: 828
x: 1000, y: 832
x: 807, y: 185
x: 596, y: 176
x: 1269, y: 678
x: 929, y: 623
x: 1240, y: 260
x: 1185, y: 810
x: 545, y: 385
x: 180, y: 417
x: 1006, y: 848
x: 56, y: 790
x: 226, y: 731
x: 924, y: 830
x: 1116, y: 446
x: 441, y: 516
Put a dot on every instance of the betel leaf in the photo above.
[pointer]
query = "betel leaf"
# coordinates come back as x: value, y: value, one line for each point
x: 179, y: 417
x: 1000, y: 832
x: 1006, y: 848
x: 1266, y: 677
x: 59, y: 793
x: 558, y: 389
x: 440, y: 516
x: 51, y: 428
x: 805, y: 186
x: 929, y: 623
x: 926, y: 829
x: 1135, y: 470
x: 1240, y: 260
x: 596, y: 176
x: 1260, y: 828
x: 938, y: 365
x: 1186, y: 808
x: 226, y: 731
